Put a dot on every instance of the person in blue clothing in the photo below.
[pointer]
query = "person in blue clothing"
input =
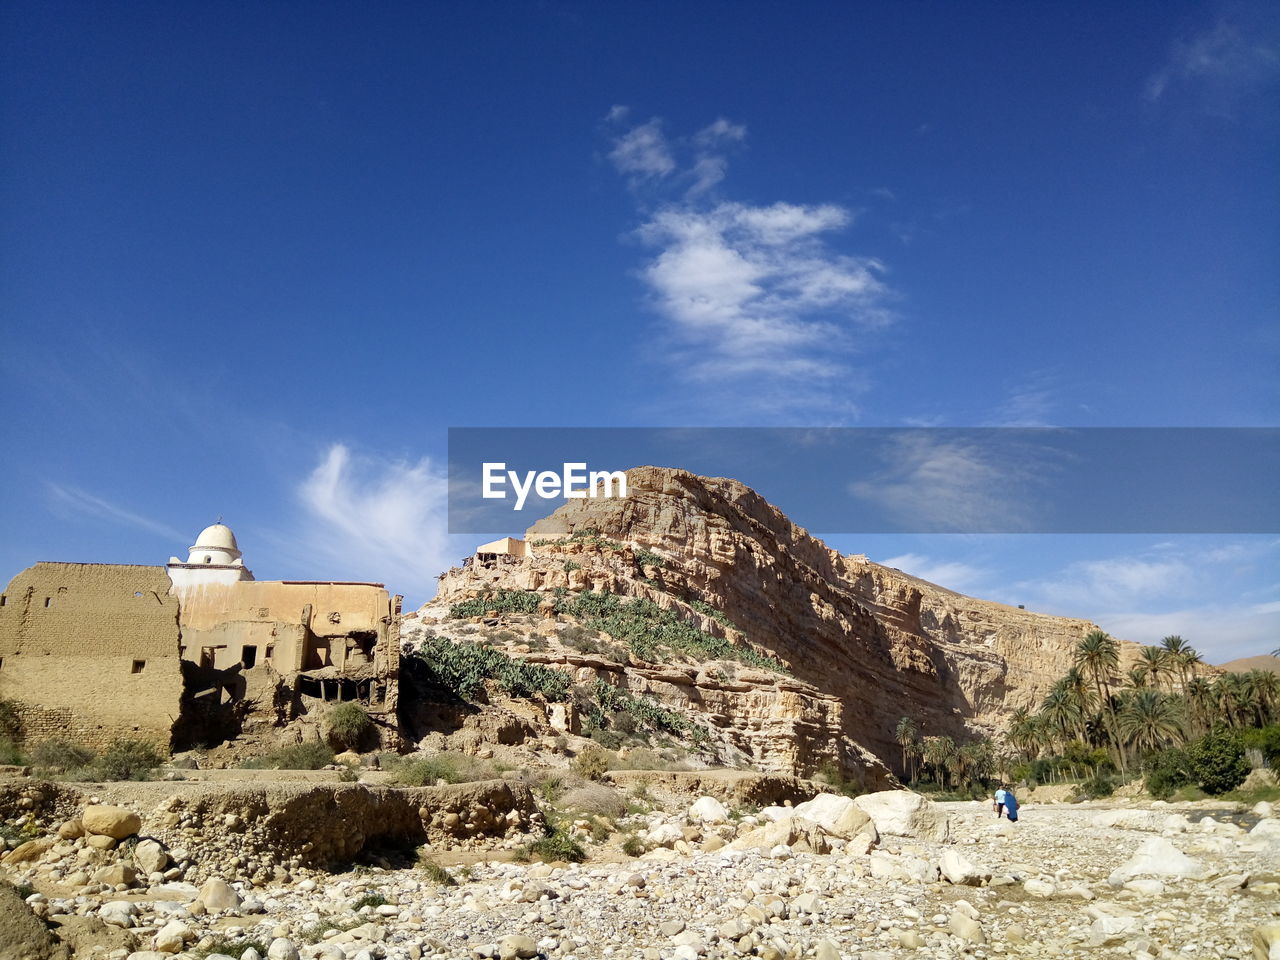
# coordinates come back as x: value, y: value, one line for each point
x: 1006, y: 803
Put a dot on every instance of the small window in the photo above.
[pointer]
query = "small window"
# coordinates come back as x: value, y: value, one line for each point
x: 48, y: 602
x: 271, y: 649
x: 1, y: 663
x: 3, y: 600
x: 208, y: 559
x: 138, y: 666
x: 249, y: 656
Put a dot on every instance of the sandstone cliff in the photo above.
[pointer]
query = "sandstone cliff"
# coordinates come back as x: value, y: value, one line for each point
x: 864, y: 644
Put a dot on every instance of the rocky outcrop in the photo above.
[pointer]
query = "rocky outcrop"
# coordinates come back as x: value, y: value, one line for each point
x: 866, y: 644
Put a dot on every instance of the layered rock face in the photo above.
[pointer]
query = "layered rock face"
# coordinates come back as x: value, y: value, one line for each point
x: 880, y: 643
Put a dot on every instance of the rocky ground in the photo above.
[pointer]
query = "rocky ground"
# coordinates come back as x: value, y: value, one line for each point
x: 827, y: 879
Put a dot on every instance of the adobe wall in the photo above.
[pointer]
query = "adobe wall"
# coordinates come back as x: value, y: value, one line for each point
x: 89, y: 652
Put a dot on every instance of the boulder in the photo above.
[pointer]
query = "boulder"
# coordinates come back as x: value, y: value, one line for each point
x: 708, y: 810
x: 517, y: 947
x: 1266, y: 943
x: 889, y: 866
x: 108, y: 821
x: 902, y: 813
x: 217, y: 894
x: 801, y: 835
x: 150, y: 857
x: 1266, y: 829
x: 1156, y: 857
x: 71, y: 830
x: 172, y: 937
x: 838, y: 815
x: 966, y: 928
x: 958, y: 870
x: 116, y: 874
x: 31, y: 850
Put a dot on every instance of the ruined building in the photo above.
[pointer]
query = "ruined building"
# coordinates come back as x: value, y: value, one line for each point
x: 185, y: 654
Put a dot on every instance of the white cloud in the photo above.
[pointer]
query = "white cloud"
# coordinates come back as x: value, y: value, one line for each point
x: 1220, y: 65
x: 754, y: 292
x: 642, y: 153
x: 1144, y: 596
x: 79, y: 501
x: 951, y: 574
x: 378, y: 519
x: 946, y: 482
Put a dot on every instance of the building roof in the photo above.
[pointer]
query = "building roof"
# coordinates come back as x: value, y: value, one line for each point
x: 217, y: 537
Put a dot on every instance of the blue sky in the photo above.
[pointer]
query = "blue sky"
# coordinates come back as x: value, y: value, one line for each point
x: 256, y: 259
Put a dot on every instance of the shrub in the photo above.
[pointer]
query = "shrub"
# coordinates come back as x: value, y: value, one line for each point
x: 1100, y: 786
x: 463, y: 667
x: 435, y: 873
x: 595, y: 799
x: 311, y: 755
x: 446, y: 766
x: 9, y: 752
x: 10, y: 721
x: 592, y: 763
x: 556, y: 845
x: 231, y: 947
x: 1166, y: 771
x: 61, y: 757
x: 632, y: 846
x: 1266, y: 740
x: 1218, y: 762
x: 349, y: 725
x: 504, y: 601
x: 647, y: 558
x: 129, y: 760
x: 369, y: 900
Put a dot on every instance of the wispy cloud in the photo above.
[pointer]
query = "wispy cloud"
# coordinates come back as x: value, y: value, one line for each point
x: 376, y: 518
x: 1143, y: 596
x: 72, y: 499
x: 950, y: 482
x: 951, y: 574
x: 1219, y: 66
x: 748, y: 290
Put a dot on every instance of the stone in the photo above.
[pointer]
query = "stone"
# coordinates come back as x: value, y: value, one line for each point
x: 903, y: 813
x: 708, y: 810
x: 1268, y: 828
x: 282, y: 948
x: 118, y: 913
x: 837, y: 815
x: 71, y: 830
x: 116, y: 874
x: 669, y: 928
x: 1040, y: 888
x: 966, y: 928
x: 101, y: 842
x: 28, y: 851
x: 172, y: 937
x: 1156, y: 857
x: 217, y: 894
x: 150, y: 857
x: 826, y: 950
x: 108, y: 821
x: 1106, y: 930
x: 802, y: 836
x: 890, y: 866
x: 1266, y: 943
x: 958, y: 870
x: 517, y: 947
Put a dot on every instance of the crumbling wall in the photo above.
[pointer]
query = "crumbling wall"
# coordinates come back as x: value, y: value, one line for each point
x: 89, y: 652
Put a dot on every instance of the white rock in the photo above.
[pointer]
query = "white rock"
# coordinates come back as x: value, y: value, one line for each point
x: 838, y: 815
x: 902, y: 813
x: 150, y: 857
x: 173, y: 936
x: 217, y: 894
x: 1268, y: 828
x: 1157, y: 857
x: 708, y: 810
x: 282, y: 948
x: 958, y: 870
x: 118, y: 913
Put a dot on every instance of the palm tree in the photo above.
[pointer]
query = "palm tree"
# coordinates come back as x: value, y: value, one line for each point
x: 1232, y: 694
x: 1060, y: 713
x: 1268, y: 686
x: 1148, y: 720
x: 939, y: 753
x: 1188, y: 660
x: 1259, y: 688
x: 906, y: 736
x: 1137, y: 678
x: 1098, y: 654
x: 1077, y: 687
x: 1155, y: 663
x: 1202, y: 704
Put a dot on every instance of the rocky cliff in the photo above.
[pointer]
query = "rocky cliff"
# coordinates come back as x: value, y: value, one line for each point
x: 862, y: 644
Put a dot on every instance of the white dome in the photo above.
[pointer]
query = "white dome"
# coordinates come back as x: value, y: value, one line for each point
x: 217, y: 537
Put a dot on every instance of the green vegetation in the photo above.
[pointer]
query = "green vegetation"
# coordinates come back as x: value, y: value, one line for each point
x: 1183, y: 731
x: 632, y: 845
x: 369, y: 900
x: 122, y: 760
x: 592, y: 762
x: 608, y: 706
x: 463, y: 667
x: 311, y: 755
x: 647, y: 558
x: 435, y: 873
x: 590, y: 537
x: 446, y: 766
x: 648, y: 630
x: 349, y: 725
x: 708, y: 610
x: 230, y: 947
x: 504, y: 601
x: 557, y: 845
